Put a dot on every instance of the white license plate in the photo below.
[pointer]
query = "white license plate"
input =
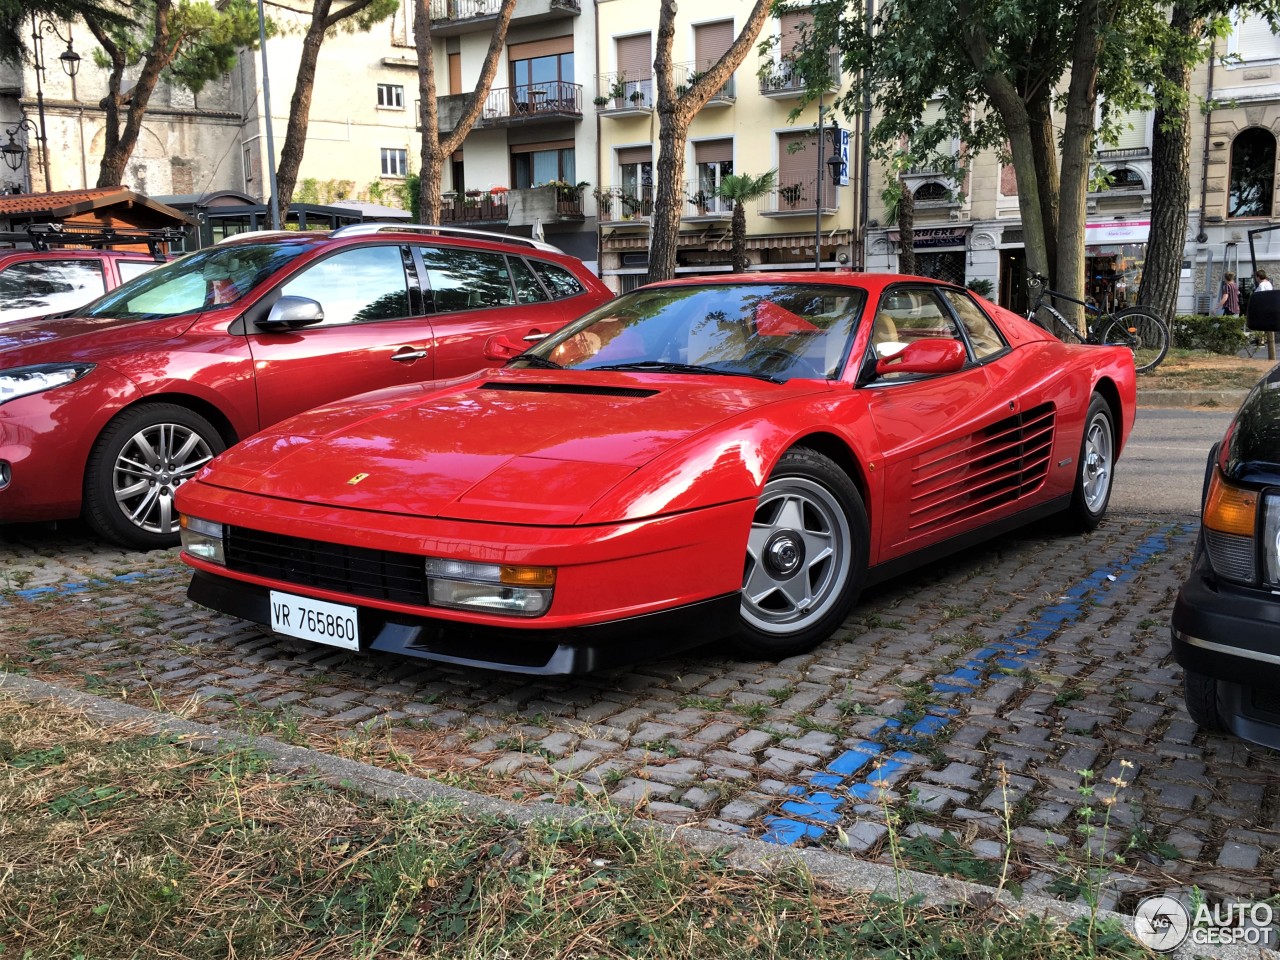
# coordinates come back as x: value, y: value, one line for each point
x: 333, y: 624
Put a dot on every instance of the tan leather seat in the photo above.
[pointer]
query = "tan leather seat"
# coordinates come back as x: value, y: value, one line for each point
x: 884, y: 330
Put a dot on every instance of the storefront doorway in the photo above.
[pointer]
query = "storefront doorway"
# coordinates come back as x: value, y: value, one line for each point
x: 1013, y: 280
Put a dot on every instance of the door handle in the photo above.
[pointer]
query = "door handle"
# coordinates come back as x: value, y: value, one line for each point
x: 535, y: 337
x: 409, y: 354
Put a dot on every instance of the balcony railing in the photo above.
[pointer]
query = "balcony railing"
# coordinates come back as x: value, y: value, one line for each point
x: 701, y: 202
x: 616, y: 93
x: 618, y: 204
x: 799, y: 197
x: 686, y: 76
x: 473, y: 207
x: 781, y: 79
x: 535, y: 101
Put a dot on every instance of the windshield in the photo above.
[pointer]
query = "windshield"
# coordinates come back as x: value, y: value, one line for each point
x: 206, y: 278
x: 776, y: 331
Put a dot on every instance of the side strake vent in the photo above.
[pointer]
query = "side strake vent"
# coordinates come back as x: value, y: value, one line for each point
x: 582, y: 389
x: 994, y: 466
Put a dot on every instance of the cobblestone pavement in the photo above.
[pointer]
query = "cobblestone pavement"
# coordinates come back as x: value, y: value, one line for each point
x: 965, y: 700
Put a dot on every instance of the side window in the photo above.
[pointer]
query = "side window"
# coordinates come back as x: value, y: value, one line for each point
x: 134, y: 268
x: 905, y: 315
x: 528, y: 289
x: 49, y: 286
x: 983, y: 335
x: 356, y: 286
x: 560, y: 281
x: 461, y: 279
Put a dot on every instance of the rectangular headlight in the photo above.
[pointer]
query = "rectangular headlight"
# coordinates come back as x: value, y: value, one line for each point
x: 203, y: 539
x: 1271, y: 539
x: 520, y: 591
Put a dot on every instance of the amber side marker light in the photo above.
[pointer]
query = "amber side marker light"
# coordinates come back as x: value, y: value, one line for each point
x: 1230, y: 509
x: 527, y: 576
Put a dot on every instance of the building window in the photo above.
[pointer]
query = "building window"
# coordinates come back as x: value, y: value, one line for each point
x: 536, y: 167
x: 391, y: 95
x: 932, y: 192
x: 395, y: 163
x: 1253, y: 173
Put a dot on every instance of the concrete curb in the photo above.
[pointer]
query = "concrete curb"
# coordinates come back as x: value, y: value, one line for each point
x: 746, y: 853
x: 1209, y: 399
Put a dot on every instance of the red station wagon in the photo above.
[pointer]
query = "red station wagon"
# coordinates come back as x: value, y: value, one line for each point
x: 35, y: 283
x: 107, y: 412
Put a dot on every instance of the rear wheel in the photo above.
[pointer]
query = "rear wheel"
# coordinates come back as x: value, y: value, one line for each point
x: 806, y: 557
x: 1201, y: 696
x: 1095, y: 470
x: 1142, y: 332
x: 136, y: 466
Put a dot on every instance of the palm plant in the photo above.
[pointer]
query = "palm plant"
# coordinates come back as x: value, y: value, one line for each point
x: 738, y: 189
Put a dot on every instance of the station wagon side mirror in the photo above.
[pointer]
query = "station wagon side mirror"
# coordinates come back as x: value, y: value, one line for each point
x: 290, y: 313
x: 930, y: 355
x: 1264, y: 310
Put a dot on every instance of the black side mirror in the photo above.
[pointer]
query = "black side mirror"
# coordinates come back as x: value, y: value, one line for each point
x: 290, y: 313
x: 1264, y: 310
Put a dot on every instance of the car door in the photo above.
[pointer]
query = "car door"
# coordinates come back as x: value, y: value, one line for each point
x: 956, y: 453
x: 475, y: 295
x: 374, y: 333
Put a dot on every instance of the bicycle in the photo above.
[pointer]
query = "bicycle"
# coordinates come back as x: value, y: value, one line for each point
x: 1134, y: 327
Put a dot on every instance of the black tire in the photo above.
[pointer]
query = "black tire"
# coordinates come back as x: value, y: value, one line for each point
x: 129, y: 487
x: 1201, y: 696
x: 1095, y: 468
x: 806, y: 557
x: 1142, y: 332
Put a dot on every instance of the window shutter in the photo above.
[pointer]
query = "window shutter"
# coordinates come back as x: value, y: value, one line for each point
x: 635, y: 57
x: 539, y: 48
x: 713, y: 151
x: 634, y: 155
x: 710, y: 42
x: 791, y: 22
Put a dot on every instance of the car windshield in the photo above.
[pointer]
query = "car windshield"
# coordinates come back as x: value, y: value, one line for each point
x: 207, y: 278
x: 776, y: 331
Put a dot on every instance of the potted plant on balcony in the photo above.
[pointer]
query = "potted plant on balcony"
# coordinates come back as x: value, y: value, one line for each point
x: 790, y: 194
x: 618, y: 92
x: 701, y: 201
x: 631, y: 205
x: 636, y: 97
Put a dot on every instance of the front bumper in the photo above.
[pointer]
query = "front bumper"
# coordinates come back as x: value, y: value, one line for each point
x: 542, y: 652
x: 1232, y: 635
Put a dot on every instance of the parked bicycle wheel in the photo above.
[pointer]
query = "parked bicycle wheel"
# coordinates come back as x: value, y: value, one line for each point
x: 1142, y: 332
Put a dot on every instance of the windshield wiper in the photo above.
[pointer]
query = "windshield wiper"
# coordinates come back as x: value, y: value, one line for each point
x: 659, y: 366
x: 534, y: 360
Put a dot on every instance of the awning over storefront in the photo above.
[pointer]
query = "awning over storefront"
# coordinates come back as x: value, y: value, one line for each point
x: 719, y: 241
x: 1116, y: 231
x: 926, y: 237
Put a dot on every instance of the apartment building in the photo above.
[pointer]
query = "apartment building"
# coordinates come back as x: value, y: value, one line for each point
x: 972, y: 231
x: 807, y: 222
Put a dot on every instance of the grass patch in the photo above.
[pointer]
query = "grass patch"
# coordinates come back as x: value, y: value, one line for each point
x: 125, y: 845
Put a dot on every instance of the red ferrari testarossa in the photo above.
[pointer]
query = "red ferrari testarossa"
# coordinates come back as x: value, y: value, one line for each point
x: 730, y: 456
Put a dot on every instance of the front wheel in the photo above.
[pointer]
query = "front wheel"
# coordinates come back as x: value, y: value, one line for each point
x: 1142, y: 332
x: 136, y: 466
x: 1200, y: 693
x: 806, y: 557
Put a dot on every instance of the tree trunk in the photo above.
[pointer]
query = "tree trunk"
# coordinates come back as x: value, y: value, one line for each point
x: 738, y: 238
x: 119, y: 143
x: 675, y: 114
x: 1044, y: 145
x: 295, y: 138
x: 1170, y: 176
x: 906, y: 229
x: 1078, y: 141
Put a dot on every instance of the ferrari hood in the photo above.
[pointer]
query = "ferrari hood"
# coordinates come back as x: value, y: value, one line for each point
x: 510, y: 448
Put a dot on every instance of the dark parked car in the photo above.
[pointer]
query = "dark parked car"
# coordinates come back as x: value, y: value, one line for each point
x: 1226, y: 621
x: 106, y: 412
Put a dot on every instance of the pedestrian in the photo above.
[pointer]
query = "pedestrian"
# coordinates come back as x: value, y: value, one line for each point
x: 1262, y: 283
x: 1229, y: 302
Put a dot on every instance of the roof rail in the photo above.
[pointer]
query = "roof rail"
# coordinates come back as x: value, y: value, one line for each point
x: 41, y: 235
x: 264, y: 234
x: 363, y: 229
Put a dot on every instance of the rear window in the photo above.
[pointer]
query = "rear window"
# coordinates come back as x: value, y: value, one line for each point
x: 559, y: 281
x: 33, y: 288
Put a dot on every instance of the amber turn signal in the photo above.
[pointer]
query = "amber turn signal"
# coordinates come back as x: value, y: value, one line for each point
x: 527, y: 576
x: 1230, y: 509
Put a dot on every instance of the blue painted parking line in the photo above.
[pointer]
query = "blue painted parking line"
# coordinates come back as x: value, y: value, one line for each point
x: 83, y: 586
x: 859, y: 774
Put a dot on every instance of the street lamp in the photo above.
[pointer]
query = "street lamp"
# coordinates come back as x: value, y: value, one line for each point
x: 13, y: 151
x: 835, y: 163
x: 70, y: 61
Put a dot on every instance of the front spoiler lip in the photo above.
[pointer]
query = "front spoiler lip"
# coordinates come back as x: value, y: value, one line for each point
x: 528, y: 650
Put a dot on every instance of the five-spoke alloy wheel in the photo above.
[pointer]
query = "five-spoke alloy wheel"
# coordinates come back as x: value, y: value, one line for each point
x: 1096, y: 470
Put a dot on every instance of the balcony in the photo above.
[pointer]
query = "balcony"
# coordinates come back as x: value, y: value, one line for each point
x: 620, y: 206
x: 619, y: 97
x: 703, y: 206
x: 686, y: 76
x: 549, y: 203
x: 451, y: 18
x: 800, y: 199
x: 473, y: 207
x: 517, y: 106
x: 779, y: 79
